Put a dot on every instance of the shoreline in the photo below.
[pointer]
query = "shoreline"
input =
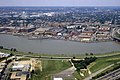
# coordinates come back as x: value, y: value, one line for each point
x: 30, y: 38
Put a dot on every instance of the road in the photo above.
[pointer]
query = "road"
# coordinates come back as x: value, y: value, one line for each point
x: 48, y: 57
x: 107, y: 55
x: 99, y: 71
x: 114, y: 32
x: 111, y: 76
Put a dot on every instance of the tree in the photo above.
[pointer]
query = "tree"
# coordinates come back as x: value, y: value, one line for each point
x: 91, y: 53
x: 11, y: 49
x: 29, y: 52
x: 1, y: 47
x: 86, y: 54
x: 14, y: 50
x: 11, y: 54
x: 74, y: 57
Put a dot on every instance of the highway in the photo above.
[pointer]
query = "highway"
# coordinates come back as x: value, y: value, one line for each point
x: 114, y: 32
x: 99, y: 71
x: 111, y: 76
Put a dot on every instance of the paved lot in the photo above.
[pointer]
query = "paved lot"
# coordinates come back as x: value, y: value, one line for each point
x: 66, y: 74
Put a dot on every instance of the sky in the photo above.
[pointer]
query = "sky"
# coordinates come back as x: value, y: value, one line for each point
x: 59, y: 2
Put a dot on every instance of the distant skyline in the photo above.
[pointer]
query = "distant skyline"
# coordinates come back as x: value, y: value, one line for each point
x: 59, y: 2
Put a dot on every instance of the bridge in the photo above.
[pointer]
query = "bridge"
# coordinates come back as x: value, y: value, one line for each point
x: 116, y: 30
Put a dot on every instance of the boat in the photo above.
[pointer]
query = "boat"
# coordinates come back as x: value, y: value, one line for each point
x: 37, y: 38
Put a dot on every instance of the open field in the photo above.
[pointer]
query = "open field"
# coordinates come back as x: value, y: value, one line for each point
x: 50, y: 67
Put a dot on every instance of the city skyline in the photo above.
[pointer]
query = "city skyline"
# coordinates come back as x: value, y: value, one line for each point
x: 59, y: 3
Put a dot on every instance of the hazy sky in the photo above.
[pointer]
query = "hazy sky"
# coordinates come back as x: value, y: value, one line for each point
x: 59, y: 2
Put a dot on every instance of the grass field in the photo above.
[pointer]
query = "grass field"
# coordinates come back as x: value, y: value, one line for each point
x: 50, y: 67
x: 102, y: 62
x: 112, y: 68
x: 78, y: 76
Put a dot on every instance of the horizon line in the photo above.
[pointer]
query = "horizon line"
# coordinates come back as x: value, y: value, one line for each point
x: 63, y: 6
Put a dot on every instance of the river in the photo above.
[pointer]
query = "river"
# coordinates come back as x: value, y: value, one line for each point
x: 56, y: 46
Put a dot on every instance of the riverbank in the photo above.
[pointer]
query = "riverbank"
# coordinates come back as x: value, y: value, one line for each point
x: 17, y: 52
x: 53, y: 38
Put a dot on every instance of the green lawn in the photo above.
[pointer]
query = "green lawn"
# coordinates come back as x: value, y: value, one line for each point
x: 100, y: 63
x: 78, y: 76
x: 50, y: 67
x: 104, y: 61
x: 112, y: 68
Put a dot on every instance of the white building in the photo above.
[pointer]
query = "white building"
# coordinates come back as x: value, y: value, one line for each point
x: 17, y: 67
x: 3, y: 55
x: 58, y: 79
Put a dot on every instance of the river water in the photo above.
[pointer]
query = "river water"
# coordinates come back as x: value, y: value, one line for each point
x: 56, y: 46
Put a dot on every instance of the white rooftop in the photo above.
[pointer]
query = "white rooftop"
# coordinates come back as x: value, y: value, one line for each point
x: 18, y: 66
x: 4, y: 54
x: 58, y: 79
